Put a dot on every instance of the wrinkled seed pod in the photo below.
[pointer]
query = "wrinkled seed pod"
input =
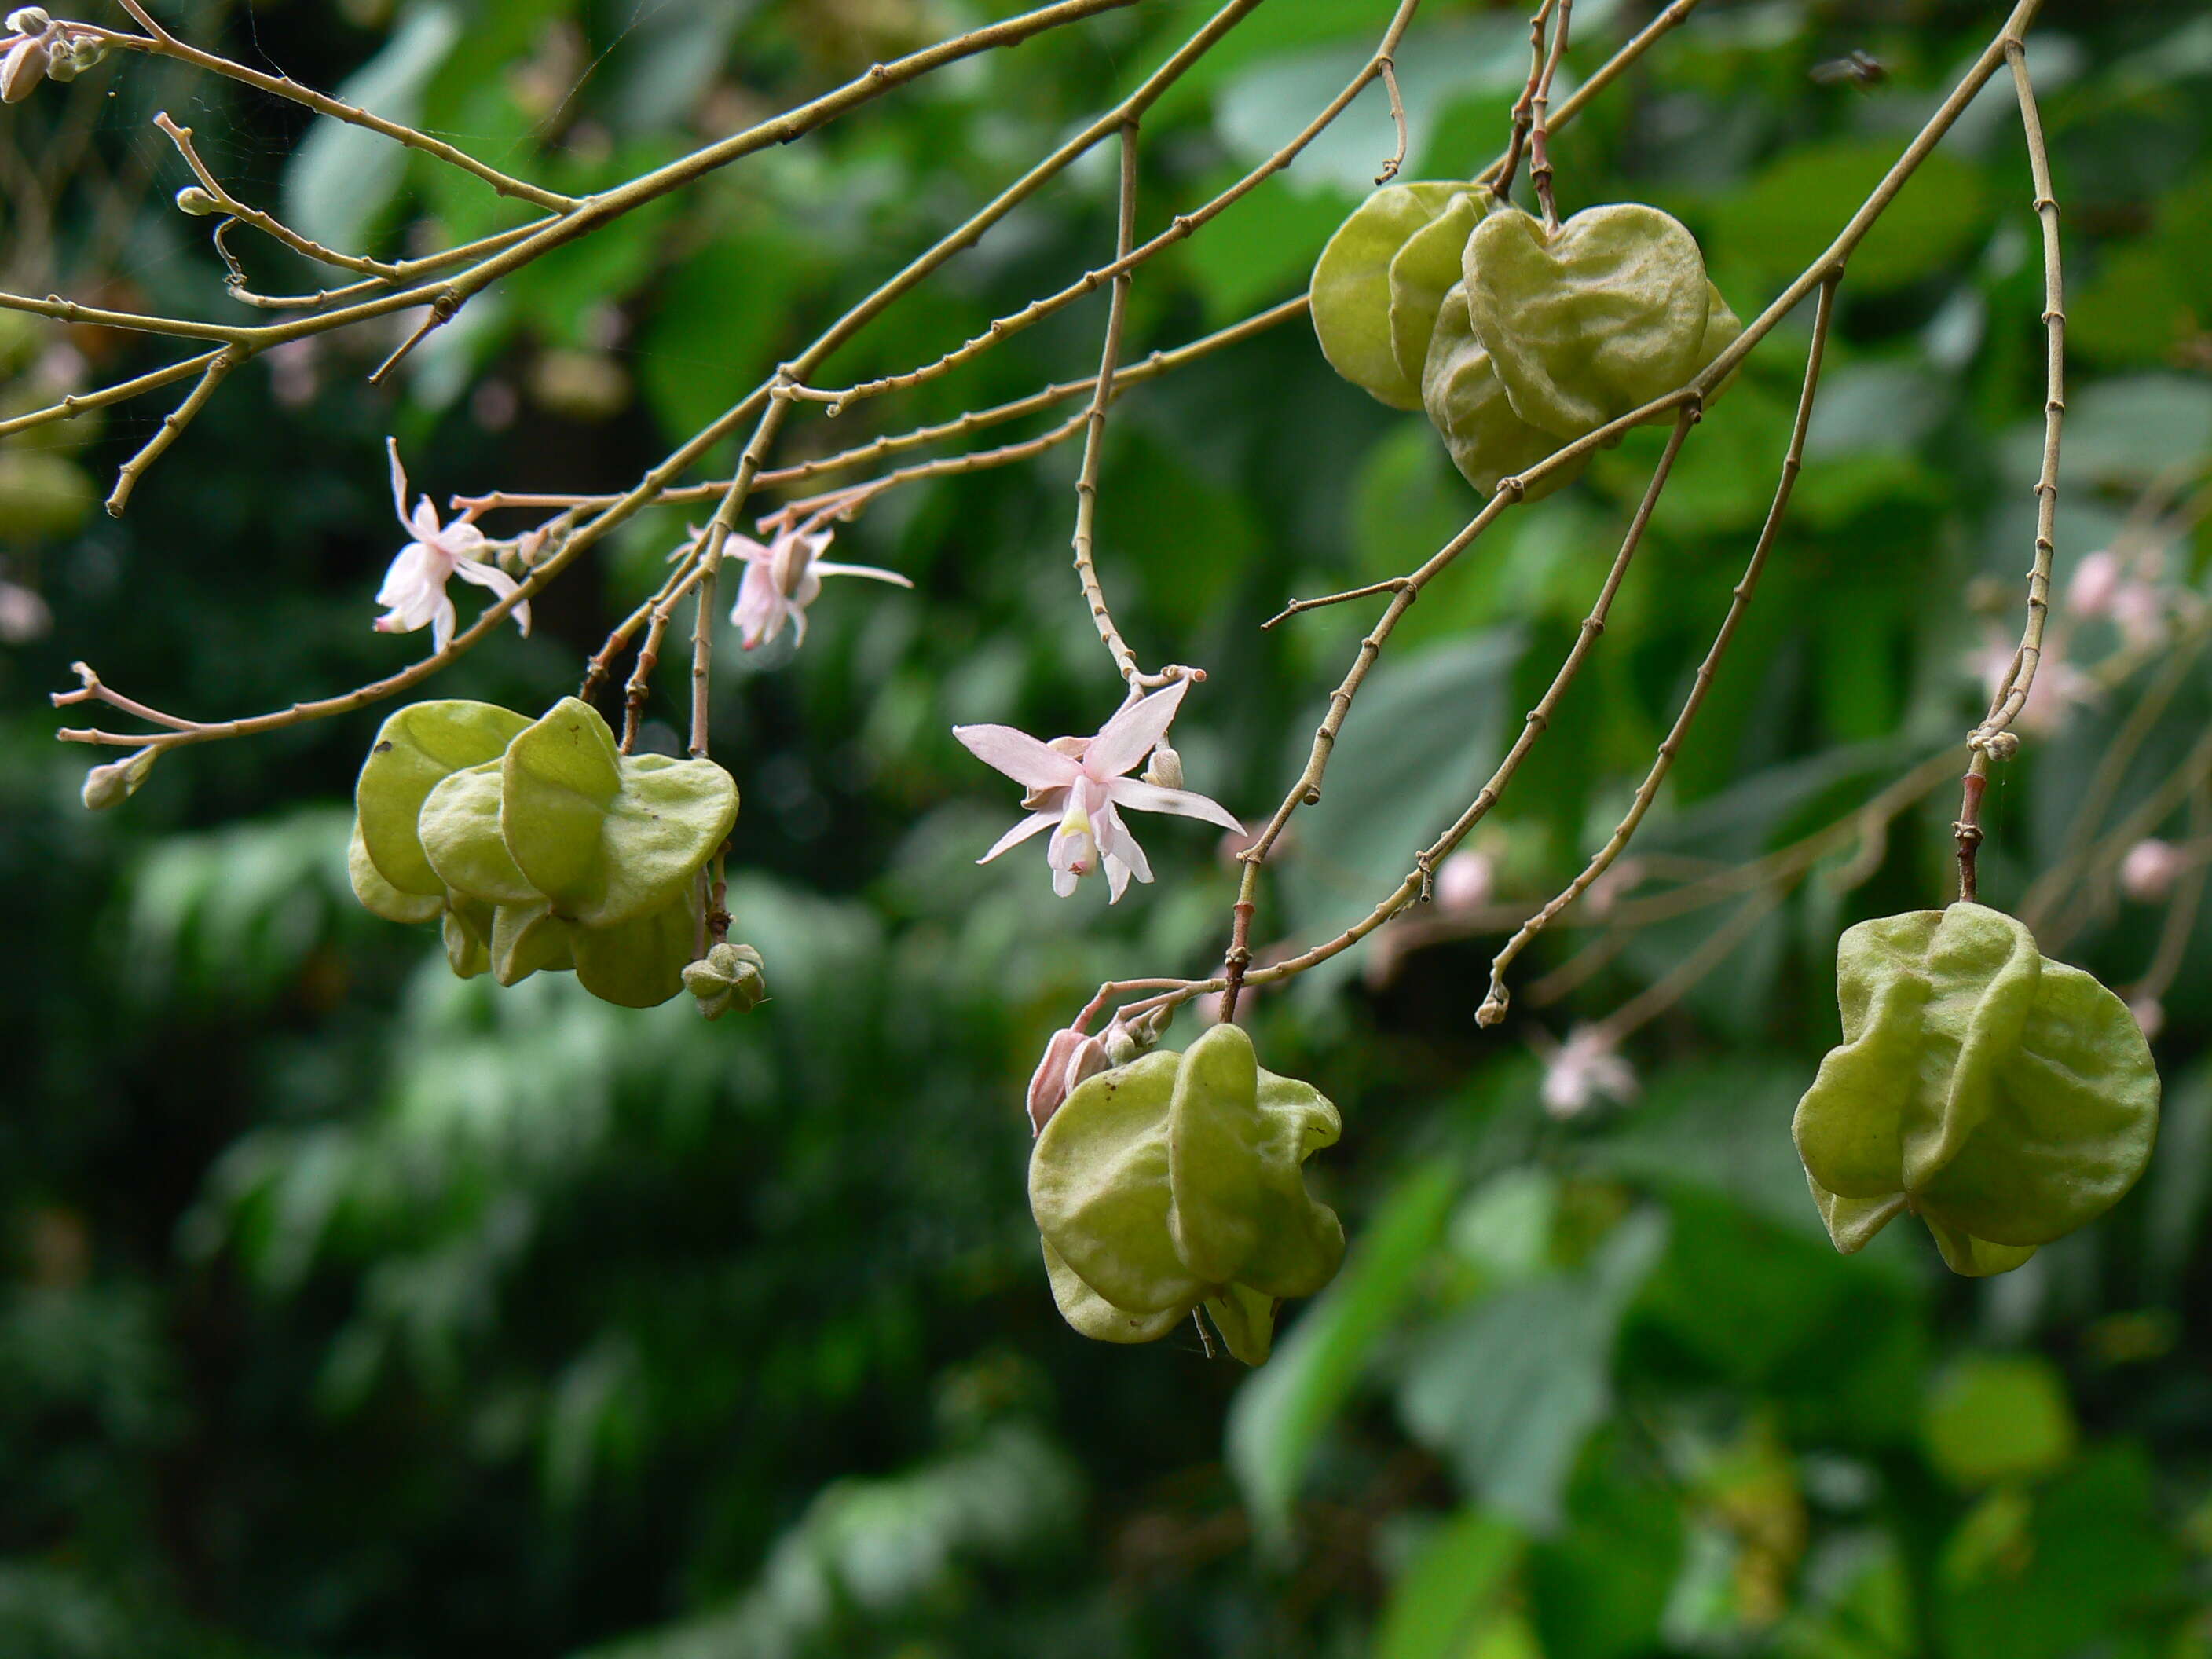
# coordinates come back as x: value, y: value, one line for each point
x: 1350, y: 293
x: 1467, y: 403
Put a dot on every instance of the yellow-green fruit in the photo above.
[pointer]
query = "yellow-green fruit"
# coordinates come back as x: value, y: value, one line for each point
x: 1467, y: 403
x: 2005, y: 1099
x: 1176, y: 1181
x: 1587, y: 323
x: 1421, y: 272
x: 1351, y: 288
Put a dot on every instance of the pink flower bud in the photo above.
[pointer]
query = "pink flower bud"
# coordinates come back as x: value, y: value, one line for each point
x: 1464, y: 881
x: 2095, y: 579
x: 1069, y: 1058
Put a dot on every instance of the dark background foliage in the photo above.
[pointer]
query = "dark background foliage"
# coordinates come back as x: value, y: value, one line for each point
x: 348, y: 1309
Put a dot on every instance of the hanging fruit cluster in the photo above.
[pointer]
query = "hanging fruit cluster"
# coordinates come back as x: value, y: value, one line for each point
x: 1515, y: 338
x: 2004, y: 1098
x: 541, y: 845
x: 1177, y: 1182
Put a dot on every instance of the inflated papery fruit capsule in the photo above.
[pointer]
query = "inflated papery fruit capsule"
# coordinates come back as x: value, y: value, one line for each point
x: 608, y: 838
x: 1467, y: 403
x: 1351, y: 288
x: 1422, y: 271
x: 728, y: 978
x: 2005, y: 1099
x: 1588, y: 322
x: 1176, y: 1181
x: 416, y: 751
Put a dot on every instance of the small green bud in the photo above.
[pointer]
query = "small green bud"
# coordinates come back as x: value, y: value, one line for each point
x: 196, y: 202
x: 728, y: 977
x: 116, y: 782
x: 85, y: 50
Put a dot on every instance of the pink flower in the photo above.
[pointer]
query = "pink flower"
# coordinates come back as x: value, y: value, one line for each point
x: 1076, y: 786
x: 783, y: 578
x: 2149, y: 870
x: 414, y: 591
x: 1464, y: 881
x: 1581, y: 1069
x: 2096, y: 579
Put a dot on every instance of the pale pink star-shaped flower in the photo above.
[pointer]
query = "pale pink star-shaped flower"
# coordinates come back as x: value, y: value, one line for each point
x: 1584, y: 1068
x: 1077, y: 787
x: 782, y: 578
x: 414, y: 591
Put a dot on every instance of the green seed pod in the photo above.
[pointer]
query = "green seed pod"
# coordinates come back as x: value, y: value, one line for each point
x: 640, y: 963
x: 417, y: 750
x: 1177, y: 1179
x: 2005, y: 1099
x: 1351, y: 288
x: 728, y: 977
x: 468, y: 937
x: 608, y: 838
x: 1589, y: 322
x: 459, y: 830
x: 379, y: 896
x: 1421, y: 272
x: 1467, y: 402
x: 525, y: 938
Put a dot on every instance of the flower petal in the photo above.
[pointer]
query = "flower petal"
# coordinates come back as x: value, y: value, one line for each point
x: 441, y: 626
x: 1184, y: 802
x: 1117, y: 846
x: 405, y: 576
x: 1019, y: 755
x: 399, y: 484
x: 868, y: 570
x: 1020, y: 833
x: 490, y: 576
x: 1131, y: 734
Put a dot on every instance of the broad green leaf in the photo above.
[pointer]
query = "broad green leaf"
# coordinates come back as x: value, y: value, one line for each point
x: 342, y: 177
x: 1279, y: 1414
x: 608, y: 837
x: 1456, y: 1588
x: 1785, y: 218
x: 417, y: 750
x: 1998, y: 1416
x: 1509, y: 1389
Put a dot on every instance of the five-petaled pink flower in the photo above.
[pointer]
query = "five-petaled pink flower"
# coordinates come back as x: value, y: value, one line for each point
x: 414, y: 591
x: 1076, y: 787
x: 783, y: 578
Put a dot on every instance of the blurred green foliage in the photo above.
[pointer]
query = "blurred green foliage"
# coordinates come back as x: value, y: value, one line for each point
x: 349, y: 1310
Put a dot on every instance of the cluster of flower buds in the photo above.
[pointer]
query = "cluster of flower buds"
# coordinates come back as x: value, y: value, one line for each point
x: 38, y: 47
x: 540, y: 845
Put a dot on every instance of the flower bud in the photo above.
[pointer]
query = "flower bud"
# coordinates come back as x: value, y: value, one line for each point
x: 727, y: 977
x: 1070, y: 1057
x: 29, y: 20
x: 1165, y: 769
x: 61, y: 68
x: 116, y: 782
x: 1125, y: 1042
x: 196, y: 202
x: 85, y: 50
x: 22, y: 66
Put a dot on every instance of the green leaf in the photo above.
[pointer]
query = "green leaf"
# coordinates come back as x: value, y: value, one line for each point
x: 1509, y: 1389
x: 1453, y: 1592
x: 1787, y: 217
x: 342, y: 177
x: 1998, y: 1416
x: 1279, y: 1414
x: 417, y: 750
x: 608, y: 837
